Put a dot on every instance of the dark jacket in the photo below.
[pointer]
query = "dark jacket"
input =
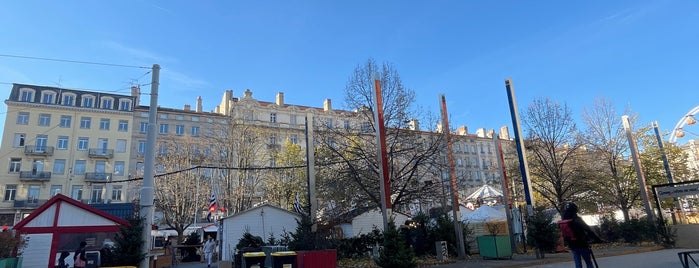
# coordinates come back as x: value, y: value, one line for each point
x: 582, y: 232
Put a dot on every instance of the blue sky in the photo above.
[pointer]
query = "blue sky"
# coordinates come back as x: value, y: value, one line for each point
x: 638, y: 54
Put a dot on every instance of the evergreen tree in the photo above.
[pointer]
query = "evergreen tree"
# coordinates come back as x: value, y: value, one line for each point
x: 303, y: 238
x: 395, y: 253
x: 128, y: 247
x: 542, y: 233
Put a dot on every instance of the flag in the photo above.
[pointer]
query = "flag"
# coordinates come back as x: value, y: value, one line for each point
x: 212, y: 206
x: 297, y: 205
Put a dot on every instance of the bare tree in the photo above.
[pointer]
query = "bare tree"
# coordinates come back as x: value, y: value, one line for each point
x: 552, y: 142
x: 348, y: 155
x: 176, y: 192
x: 605, y: 138
x: 288, y: 176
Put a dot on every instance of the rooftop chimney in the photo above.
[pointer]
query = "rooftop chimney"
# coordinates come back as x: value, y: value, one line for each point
x: 136, y: 93
x: 504, y: 133
x: 462, y: 130
x: 481, y: 132
x: 187, y: 107
x: 198, y: 104
x: 247, y: 94
x: 327, y: 105
x: 280, y: 98
x: 414, y: 124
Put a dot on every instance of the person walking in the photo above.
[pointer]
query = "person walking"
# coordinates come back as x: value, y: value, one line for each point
x: 209, y: 248
x: 79, y: 259
x: 577, y: 235
x: 62, y: 260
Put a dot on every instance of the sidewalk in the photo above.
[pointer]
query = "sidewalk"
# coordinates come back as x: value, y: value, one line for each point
x: 529, y: 259
x: 195, y: 265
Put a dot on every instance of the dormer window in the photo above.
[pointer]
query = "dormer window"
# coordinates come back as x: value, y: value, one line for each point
x: 88, y: 102
x: 68, y: 100
x: 48, y: 97
x: 26, y: 95
x: 125, y: 105
x: 107, y: 103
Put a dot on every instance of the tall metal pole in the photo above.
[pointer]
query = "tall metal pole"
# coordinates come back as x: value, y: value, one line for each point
x: 506, y: 191
x: 147, y: 190
x: 668, y: 172
x: 382, y: 156
x: 639, y: 169
x: 519, y: 140
x: 310, y: 171
x: 458, y: 230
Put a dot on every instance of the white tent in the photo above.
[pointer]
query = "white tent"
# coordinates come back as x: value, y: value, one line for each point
x: 485, y: 214
x: 486, y: 191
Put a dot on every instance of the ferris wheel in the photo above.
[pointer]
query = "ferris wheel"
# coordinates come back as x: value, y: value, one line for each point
x: 688, y: 119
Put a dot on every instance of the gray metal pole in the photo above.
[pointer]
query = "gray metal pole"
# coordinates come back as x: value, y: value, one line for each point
x: 637, y: 164
x: 311, y: 171
x: 147, y: 190
x: 668, y: 172
x: 523, y: 166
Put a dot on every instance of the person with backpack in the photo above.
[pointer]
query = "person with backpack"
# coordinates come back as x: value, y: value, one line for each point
x: 577, y: 235
x: 79, y: 259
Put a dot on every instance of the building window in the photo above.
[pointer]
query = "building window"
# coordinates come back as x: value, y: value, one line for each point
x: 41, y: 142
x: 59, y: 166
x: 20, y: 138
x: 292, y: 119
x: 272, y: 139
x: 88, y: 102
x: 79, y: 167
x: 163, y: 128
x: 26, y: 96
x: 83, y: 143
x: 162, y: 116
x: 123, y: 125
x: 62, y: 143
x: 47, y: 98
x: 141, y: 147
x: 15, y: 165
x: 124, y: 105
x: 144, y: 127
x: 65, y: 121
x: 77, y: 192
x: 273, y: 117
x: 294, y: 139
x: 85, y: 122
x: 69, y: 100
x: 107, y: 103
x: 33, y: 193
x: 104, y: 124
x: 195, y: 131
x: 22, y: 118
x: 366, y: 127
x: 180, y: 117
x: 119, y: 168
x: 347, y: 124
x: 273, y: 161
x: 329, y: 123
x: 116, y: 193
x: 179, y: 130
x: 121, y: 146
x: 195, y: 119
x: 44, y: 120
x: 10, y: 192
x: 96, y: 195
x: 56, y: 189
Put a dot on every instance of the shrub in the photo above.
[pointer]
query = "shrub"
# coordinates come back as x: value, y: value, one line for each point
x: 11, y: 243
x: 609, y: 228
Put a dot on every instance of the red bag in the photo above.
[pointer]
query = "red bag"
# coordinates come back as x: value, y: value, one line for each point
x: 567, y: 230
x: 79, y: 262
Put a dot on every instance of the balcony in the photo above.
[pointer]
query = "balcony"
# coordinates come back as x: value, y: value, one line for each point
x: 100, y: 153
x: 34, y: 176
x: 97, y: 177
x: 29, y: 203
x: 38, y: 150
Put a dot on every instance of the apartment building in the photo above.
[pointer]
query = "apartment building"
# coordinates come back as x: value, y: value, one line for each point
x: 66, y: 141
x: 87, y: 144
